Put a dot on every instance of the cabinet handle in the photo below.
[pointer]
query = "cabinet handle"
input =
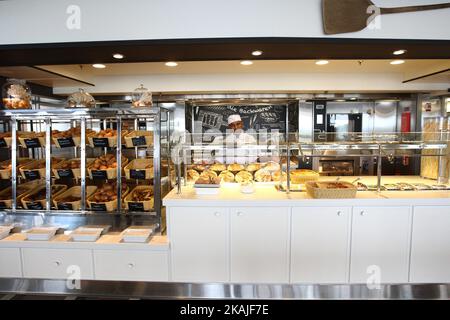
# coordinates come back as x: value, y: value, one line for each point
x: 217, y: 214
x: 362, y: 213
x: 240, y: 214
x: 57, y: 263
x: 131, y: 265
x: 339, y: 213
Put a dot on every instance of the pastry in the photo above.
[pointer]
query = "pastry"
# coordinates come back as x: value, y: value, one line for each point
x: 218, y: 167
x: 263, y: 175
x: 199, y: 167
x: 252, y: 167
x: 140, y: 195
x: 107, y: 133
x: 73, y: 132
x: 107, y: 193
x: 205, y: 179
x: 105, y: 162
x: 303, y: 175
x: 209, y: 173
x: 272, y: 166
x: 192, y: 175
x: 243, y: 176
x: 227, y: 176
x: 235, y: 167
x: 277, y: 174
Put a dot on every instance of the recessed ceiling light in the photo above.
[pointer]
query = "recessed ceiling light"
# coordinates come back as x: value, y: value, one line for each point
x: 340, y: 100
x: 399, y: 52
x: 266, y: 100
x: 99, y: 66
x: 396, y: 62
x: 171, y: 64
x: 353, y: 98
x: 215, y: 101
x: 322, y: 62
x: 246, y: 63
x: 257, y: 53
x: 118, y: 56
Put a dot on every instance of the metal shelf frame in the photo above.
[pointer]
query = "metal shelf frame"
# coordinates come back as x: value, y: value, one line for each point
x: 117, y: 116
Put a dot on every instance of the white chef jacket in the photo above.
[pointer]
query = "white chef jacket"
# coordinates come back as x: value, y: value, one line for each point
x: 235, y: 150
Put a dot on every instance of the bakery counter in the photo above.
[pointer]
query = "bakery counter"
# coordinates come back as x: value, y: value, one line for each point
x: 273, y: 237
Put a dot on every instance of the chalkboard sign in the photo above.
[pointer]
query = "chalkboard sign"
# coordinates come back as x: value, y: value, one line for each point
x: 136, y: 206
x: 137, y: 174
x: 98, y: 207
x: 139, y: 141
x: 100, y: 142
x: 65, y: 173
x: 35, y: 206
x: 32, y: 174
x: 257, y: 117
x: 66, y: 142
x: 65, y: 206
x: 32, y: 143
x: 3, y: 143
x: 99, y: 174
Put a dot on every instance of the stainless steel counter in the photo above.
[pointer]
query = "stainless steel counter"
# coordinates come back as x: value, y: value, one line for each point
x: 159, y: 290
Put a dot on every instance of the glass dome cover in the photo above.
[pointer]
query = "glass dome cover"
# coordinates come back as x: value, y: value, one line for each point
x: 81, y: 99
x: 141, y: 97
x: 16, y: 94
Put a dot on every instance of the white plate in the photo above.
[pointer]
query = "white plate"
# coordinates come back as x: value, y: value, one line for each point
x: 139, y: 235
x: 86, y: 234
x: 41, y: 234
x: 206, y: 191
x: 4, y: 232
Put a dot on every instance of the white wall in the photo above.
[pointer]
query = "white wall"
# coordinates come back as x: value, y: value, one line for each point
x: 42, y: 21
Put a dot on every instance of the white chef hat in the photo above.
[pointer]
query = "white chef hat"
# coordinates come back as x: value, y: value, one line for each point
x: 234, y: 118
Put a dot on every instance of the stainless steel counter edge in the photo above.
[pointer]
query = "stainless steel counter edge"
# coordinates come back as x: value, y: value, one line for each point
x: 171, y: 290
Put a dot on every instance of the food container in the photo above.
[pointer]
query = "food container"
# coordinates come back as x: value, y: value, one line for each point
x: 109, y: 206
x: 41, y: 234
x: 136, y: 235
x: 207, y: 189
x: 16, y: 94
x: 139, y: 138
x: 31, y: 170
x: 4, y: 232
x: 248, y: 187
x: 303, y: 175
x: 62, y: 204
x: 107, y: 174
x: 80, y: 99
x: 139, y: 206
x: 331, y: 190
x: 22, y: 191
x: 32, y: 139
x: 104, y: 142
x: 139, y: 169
x: 60, y: 173
x: 141, y: 97
x: 40, y: 204
x: 83, y: 234
x: 6, y: 173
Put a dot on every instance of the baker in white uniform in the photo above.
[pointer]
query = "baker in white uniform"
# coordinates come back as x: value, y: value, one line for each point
x: 235, y: 140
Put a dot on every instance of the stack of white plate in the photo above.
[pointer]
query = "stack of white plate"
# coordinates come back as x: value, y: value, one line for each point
x: 41, y: 233
x: 137, y: 235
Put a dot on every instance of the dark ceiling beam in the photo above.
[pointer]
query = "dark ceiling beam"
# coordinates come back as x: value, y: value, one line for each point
x: 219, y: 49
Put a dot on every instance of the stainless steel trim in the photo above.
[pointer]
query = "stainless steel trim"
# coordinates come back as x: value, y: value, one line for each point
x: 48, y: 163
x: 119, y: 163
x: 174, y: 291
x: 157, y: 165
x: 14, y: 162
x: 83, y: 162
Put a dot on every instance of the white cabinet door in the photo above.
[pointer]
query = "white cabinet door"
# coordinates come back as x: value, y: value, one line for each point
x: 260, y: 245
x: 430, y: 250
x: 57, y: 263
x: 199, y: 244
x: 10, y: 263
x: 131, y: 265
x: 380, y: 244
x: 320, y: 244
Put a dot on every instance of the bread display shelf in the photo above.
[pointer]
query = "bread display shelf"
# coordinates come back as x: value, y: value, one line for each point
x: 31, y: 139
x: 105, y: 174
x: 61, y: 203
x: 59, y: 172
x: 139, y: 206
x: 31, y: 170
x: 139, y: 138
x: 22, y: 191
x: 105, y: 142
x: 139, y: 169
x: 6, y: 173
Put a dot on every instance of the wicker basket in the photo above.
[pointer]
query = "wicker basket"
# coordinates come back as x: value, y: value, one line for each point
x: 40, y: 204
x: 139, y: 205
x: 31, y: 140
x: 320, y: 190
x: 27, y: 188
x: 6, y: 173
x: 76, y: 173
x: 302, y: 176
x: 139, y: 138
x: 110, y: 142
x: 105, y: 206
x: 109, y: 174
x: 136, y: 169
x: 74, y: 191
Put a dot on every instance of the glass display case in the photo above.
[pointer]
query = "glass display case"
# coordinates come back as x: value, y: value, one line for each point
x: 86, y: 162
x: 265, y: 160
